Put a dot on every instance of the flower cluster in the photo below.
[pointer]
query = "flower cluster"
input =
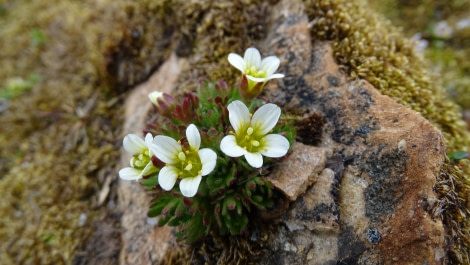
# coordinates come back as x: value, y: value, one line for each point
x: 216, y: 189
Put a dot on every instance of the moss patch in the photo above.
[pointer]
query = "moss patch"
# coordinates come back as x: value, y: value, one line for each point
x: 60, y: 137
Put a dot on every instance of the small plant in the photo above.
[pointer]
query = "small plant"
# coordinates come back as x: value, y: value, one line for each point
x: 218, y: 147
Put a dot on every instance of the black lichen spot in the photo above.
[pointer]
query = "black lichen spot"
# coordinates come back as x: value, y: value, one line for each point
x: 339, y: 133
x: 363, y: 130
x: 309, y: 130
x: 373, y: 236
x: 333, y: 80
x: 320, y: 212
x: 384, y: 168
x: 366, y: 127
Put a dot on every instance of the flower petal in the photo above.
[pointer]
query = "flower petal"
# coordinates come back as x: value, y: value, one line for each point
x: 257, y: 79
x: 148, y: 142
x: 238, y: 114
x: 254, y: 159
x: 129, y: 173
x: 252, y: 57
x: 229, y: 146
x: 189, y: 186
x: 149, y: 169
x: 165, y: 148
x: 153, y: 96
x: 208, y: 160
x: 133, y: 144
x: 274, y: 76
x: 270, y: 64
x: 193, y: 136
x: 237, y: 61
x: 265, y: 118
x: 167, y: 177
x: 275, y: 145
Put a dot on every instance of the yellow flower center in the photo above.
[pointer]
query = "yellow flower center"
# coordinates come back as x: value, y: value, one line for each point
x: 139, y: 161
x: 252, y: 71
x: 249, y: 139
x: 189, y: 164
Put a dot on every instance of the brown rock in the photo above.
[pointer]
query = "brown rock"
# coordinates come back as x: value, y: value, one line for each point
x: 372, y: 206
x: 143, y: 242
x: 301, y: 168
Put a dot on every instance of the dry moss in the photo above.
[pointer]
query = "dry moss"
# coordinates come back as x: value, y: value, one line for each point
x: 212, y: 29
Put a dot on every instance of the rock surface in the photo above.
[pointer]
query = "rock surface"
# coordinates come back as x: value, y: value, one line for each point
x: 371, y: 204
x: 363, y: 188
x: 143, y: 242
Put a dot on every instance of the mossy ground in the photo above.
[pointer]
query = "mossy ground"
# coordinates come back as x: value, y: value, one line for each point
x: 60, y: 138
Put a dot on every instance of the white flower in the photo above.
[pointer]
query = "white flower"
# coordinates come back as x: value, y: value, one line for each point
x: 141, y: 161
x: 256, y: 72
x: 251, y: 137
x: 154, y: 96
x: 187, y: 163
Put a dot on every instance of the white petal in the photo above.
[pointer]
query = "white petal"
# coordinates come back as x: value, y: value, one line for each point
x: 237, y: 61
x: 153, y: 96
x: 252, y: 57
x: 149, y: 169
x: 254, y: 159
x: 189, y: 186
x: 270, y: 64
x: 208, y: 160
x: 229, y: 146
x: 257, y: 79
x: 192, y: 134
x: 275, y: 145
x: 134, y: 144
x: 238, y: 114
x: 265, y: 118
x: 165, y: 148
x: 274, y: 76
x: 129, y: 173
x: 167, y: 177
x: 148, y: 143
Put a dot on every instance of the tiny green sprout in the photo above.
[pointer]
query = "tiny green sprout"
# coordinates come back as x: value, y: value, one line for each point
x: 16, y: 86
x: 47, y: 238
x: 37, y: 37
x: 459, y: 155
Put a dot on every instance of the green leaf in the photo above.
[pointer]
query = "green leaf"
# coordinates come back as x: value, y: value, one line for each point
x: 459, y: 155
x: 149, y: 182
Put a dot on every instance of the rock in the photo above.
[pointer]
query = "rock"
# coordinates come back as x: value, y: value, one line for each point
x: 299, y: 170
x: 372, y: 203
x: 361, y: 193
x: 143, y: 242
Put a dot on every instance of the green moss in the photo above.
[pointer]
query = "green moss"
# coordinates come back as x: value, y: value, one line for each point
x: 58, y: 139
